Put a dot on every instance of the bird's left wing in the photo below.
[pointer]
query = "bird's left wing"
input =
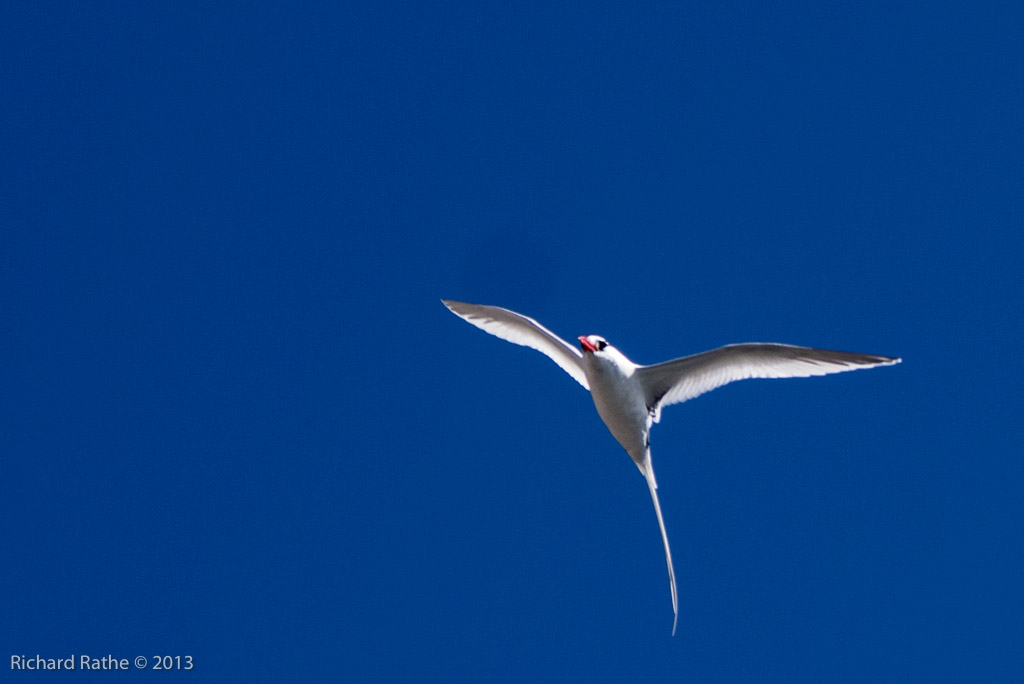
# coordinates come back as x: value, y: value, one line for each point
x: 518, y: 329
x: 677, y: 381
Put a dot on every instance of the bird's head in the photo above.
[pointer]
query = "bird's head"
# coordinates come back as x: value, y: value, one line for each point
x: 598, y: 350
x: 592, y: 343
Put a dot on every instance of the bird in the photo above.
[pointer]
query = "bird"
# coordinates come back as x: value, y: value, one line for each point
x: 629, y: 397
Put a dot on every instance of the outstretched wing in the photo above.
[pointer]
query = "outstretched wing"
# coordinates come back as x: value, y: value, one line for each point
x: 518, y: 329
x: 677, y: 381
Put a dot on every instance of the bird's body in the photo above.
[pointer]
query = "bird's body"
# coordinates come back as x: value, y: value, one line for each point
x: 619, y: 400
x: 629, y: 397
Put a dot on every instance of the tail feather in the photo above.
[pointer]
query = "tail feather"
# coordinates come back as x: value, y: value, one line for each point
x: 652, y: 484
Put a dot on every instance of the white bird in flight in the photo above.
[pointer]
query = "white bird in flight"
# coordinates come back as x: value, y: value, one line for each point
x: 629, y: 397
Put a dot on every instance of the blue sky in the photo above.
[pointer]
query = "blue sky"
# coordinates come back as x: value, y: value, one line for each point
x: 239, y: 424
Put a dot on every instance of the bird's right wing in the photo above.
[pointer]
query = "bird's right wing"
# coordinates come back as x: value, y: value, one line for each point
x: 518, y: 329
x: 683, y: 379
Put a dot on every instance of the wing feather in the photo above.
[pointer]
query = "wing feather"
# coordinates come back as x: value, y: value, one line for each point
x: 524, y: 331
x: 677, y: 381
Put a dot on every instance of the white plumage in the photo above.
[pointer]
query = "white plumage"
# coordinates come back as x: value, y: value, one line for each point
x: 629, y: 397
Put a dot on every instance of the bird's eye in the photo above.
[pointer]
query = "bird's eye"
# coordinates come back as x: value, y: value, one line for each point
x: 601, y: 344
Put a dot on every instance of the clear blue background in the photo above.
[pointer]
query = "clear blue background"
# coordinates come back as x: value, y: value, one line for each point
x: 237, y: 423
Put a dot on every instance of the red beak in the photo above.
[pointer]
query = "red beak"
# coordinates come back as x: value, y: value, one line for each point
x: 587, y: 346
